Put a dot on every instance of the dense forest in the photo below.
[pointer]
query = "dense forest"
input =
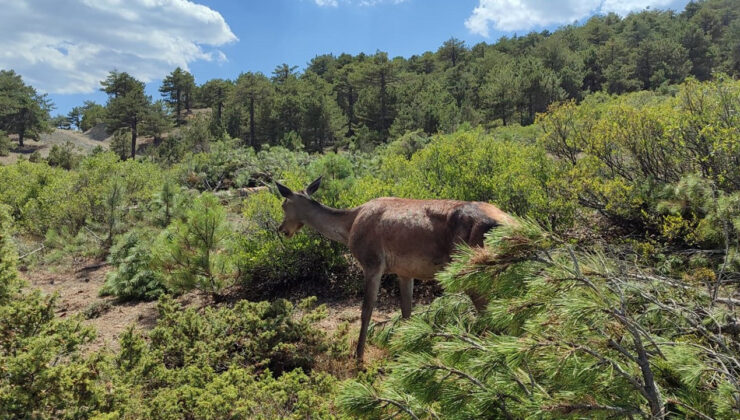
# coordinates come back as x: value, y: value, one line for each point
x: 615, y: 144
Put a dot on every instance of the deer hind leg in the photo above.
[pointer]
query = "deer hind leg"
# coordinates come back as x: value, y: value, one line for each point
x: 407, y: 295
x: 480, y: 302
x: 372, y: 285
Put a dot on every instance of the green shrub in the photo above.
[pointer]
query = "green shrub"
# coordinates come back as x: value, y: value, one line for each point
x: 35, y: 157
x: 62, y: 156
x: 39, y: 195
x: 134, y: 276
x: 470, y: 165
x: 629, y: 156
x: 167, y: 203
x: 5, y: 144
x: 271, y: 266
x: 247, y: 361
x: 262, y: 335
x: 9, y: 281
x: 194, y: 252
x: 121, y: 144
x: 42, y: 373
x: 194, y: 138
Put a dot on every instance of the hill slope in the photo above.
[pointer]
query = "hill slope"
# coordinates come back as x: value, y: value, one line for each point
x: 82, y: 143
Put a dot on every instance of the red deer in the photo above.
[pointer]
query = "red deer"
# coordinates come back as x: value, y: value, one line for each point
x: 410, y: 238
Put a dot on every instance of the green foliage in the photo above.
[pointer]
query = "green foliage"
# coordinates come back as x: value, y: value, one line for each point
x: 62, y: 156
x: 566, y: 333
x: 167, y: 203
x: 261, y: 335
x: 128, y: 106
x: 5, y: 144
x: 214, y: 94
x: 121, y: 144
x: 22, y: 110
x: 35, y: 157
x: 39, y: 194
x: 193, y: 252
x: 9, y: 281
x: 92, y: 115
x: 135, y: 276
x: 271, y: 266
x: 469, y: 165
x: 195, y: 137
x: 216, y: 364
x: 228, y: 362
x: 177, y: 88
x: 628, y: 157
x: 32, y: 343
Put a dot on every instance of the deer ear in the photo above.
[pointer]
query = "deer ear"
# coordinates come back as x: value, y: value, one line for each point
x: 284, y: 191
x: 313, y: 186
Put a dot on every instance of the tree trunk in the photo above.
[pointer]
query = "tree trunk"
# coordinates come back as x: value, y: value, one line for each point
x: 350, y: 112
x: 133, y: 140
x: 20, y: 137
x: 177, y: 107
x: 252, y: 140
x: 383, y: 110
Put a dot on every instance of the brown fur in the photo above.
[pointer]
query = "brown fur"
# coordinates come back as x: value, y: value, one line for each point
x: 410, y: 238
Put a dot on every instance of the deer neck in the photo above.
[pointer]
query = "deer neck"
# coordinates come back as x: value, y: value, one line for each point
x: 334, y: 224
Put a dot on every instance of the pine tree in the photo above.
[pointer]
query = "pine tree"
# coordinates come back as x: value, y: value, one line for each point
x: 74, y: 117
x: 566, y: 333
x: 214, y: 94
x: 127, y: 106
x: 251, y: 90
x: 22, y: 110
x: 377, y: 100
x: 452, y: 51
x: 177, y: 88
x: 347, y: 89
x: 191, y: 251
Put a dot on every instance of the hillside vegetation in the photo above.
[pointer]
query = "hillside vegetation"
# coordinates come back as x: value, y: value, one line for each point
x: 616, y: 144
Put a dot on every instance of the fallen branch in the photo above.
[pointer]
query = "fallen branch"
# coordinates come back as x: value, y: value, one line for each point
x: 32, y: 252
x: 93, y: 234
x: 93, y: 267
x: 728, y: 301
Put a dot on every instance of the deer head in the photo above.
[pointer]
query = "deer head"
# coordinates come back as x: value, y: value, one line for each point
x: 296, y: 207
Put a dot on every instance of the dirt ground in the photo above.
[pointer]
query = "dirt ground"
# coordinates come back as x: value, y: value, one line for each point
x: 78, y: 292
x: 78, y: 287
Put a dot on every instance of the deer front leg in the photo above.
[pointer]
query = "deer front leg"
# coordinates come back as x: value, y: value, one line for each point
x: 372, y: 285
x: 406, y: 285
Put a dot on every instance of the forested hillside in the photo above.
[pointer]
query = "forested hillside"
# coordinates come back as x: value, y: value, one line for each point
x: 615, y: 144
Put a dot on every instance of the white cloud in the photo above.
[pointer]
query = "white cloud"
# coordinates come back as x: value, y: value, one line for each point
x: 69, y: 46
x: 511, y: 15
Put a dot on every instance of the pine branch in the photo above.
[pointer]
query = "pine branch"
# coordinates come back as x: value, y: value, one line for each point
x: 570, y: 408
x: 688, y: 407
x: 399, y: 405
x: 631, y: 379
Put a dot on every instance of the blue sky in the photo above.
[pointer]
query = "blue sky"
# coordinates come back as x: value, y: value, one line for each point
x: 65, y: 47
